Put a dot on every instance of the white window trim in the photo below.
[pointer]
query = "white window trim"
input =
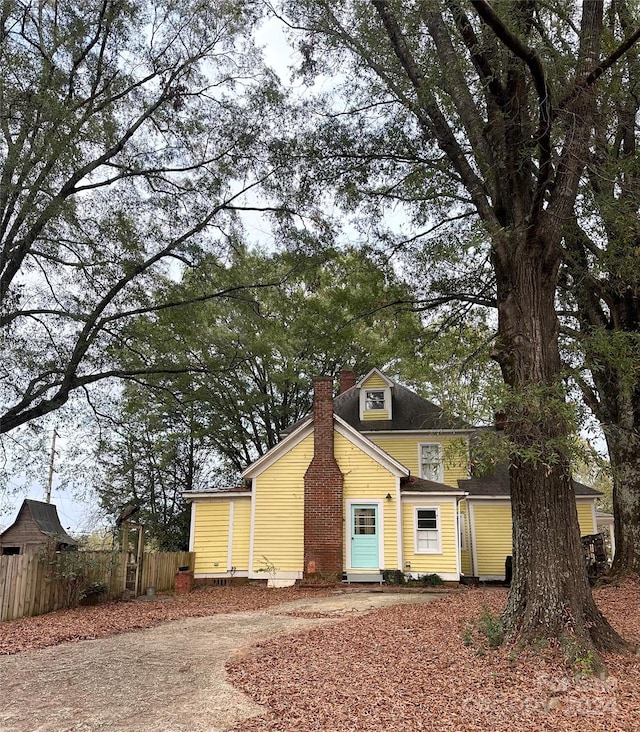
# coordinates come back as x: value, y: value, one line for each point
x: 415, y: 530
x: 367, y: 398
x: 387, y: 401
x: 440, y: 478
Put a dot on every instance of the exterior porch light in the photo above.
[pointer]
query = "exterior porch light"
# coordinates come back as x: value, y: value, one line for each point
x: 388, y: 496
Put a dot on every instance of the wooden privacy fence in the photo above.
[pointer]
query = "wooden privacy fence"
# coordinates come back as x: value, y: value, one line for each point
x: 37, y: 583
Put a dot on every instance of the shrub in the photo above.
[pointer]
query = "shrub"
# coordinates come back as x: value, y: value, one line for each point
x: 393, y: 577
x: 431, y: 580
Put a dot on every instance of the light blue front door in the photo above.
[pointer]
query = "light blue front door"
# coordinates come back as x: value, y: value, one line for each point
x: 364, y: 536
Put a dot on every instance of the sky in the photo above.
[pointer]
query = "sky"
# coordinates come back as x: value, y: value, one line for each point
x: 80, y: 515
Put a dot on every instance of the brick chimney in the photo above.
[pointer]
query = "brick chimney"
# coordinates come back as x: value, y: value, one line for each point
x: 323, y: 512
x: 347, y: 380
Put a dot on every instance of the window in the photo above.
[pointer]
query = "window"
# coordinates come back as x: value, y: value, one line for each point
x: 431, y: 462
x: 364, y: 521
x: 427, y: 524
x: 374, y: 400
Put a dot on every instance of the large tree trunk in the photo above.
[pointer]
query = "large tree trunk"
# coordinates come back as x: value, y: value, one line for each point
x: 550, y: 594
x: 516, y: 140
x: 608, y: 310
x: 624, y: 453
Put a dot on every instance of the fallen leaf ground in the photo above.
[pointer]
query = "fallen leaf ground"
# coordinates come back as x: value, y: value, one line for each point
x: 107, y: 619
x: 409, y: 668
x: 403, y: 668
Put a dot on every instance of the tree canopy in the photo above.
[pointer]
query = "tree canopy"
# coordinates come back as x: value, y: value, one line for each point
x: 485, y: 112
x: 128, y: 133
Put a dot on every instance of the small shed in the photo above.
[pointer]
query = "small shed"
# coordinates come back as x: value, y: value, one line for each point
x: 37, y: 525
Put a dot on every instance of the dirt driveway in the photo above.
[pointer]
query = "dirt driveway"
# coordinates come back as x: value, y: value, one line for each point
x: 170, y: 678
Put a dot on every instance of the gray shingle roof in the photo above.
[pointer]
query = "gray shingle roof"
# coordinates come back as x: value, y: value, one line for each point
x: 496, y: 483
x: 409, y: 412
x: 420, y: 485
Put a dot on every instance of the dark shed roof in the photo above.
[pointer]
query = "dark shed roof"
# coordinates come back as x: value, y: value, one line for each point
x: 409, y: 412
x: 496, y: 483
x: 420, y: 485
x: 45, y: 517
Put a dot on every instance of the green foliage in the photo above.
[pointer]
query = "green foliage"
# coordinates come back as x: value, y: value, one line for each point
x: 492, y: 628
x: 125, y: 138
x: 583, y: 661
x: 430, y: 580
x: 148, y: 459
x: 394, y: 577
x: 77, y: 574
x: 485, y: 633
x: 252, y: 351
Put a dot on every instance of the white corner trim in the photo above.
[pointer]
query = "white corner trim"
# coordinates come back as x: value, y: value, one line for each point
x: 399, y: 526
x: 230, y: 536
x: 252, y: 524
x: 192, y: 527
x: 472, y: 537
x: 270, y: 457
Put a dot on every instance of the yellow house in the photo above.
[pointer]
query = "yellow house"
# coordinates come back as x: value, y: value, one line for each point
x: 486, y: 520
x: 374, y: 479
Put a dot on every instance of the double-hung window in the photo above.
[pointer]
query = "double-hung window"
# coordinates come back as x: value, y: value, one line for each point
x: 374, y: 399
x: 431, y: 462
x: 427, y: 523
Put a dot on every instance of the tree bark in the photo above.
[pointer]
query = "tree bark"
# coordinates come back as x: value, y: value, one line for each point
x: 624, y: 452
x: 550, y: 594
x: 520, y: 169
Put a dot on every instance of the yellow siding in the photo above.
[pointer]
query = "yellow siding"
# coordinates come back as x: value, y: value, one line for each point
x: 444, y: 562
x: 374, y: 414
x: 365, y: 479
x: 374, y: 382
x: 585, y: 518
x: 211, y: 536
x: 405, y: 450
x: 279, y: 511
x: 241, y: 530
x: 465, y: 554
x: 492, y: 524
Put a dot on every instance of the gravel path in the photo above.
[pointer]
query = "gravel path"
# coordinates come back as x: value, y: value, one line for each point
x: 170, y: 678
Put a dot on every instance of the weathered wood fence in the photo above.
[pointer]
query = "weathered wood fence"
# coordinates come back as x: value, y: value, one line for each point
x: 34, y: 583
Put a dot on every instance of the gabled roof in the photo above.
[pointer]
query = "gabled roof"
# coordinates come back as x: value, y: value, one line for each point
x: 378, y: 373
x: 305, y: 428
x: 496, y: 483
x: 45, y: 517
x: 410, y: 412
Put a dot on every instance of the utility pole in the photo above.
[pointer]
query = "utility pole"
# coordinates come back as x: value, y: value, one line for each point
x: 52, y: 458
